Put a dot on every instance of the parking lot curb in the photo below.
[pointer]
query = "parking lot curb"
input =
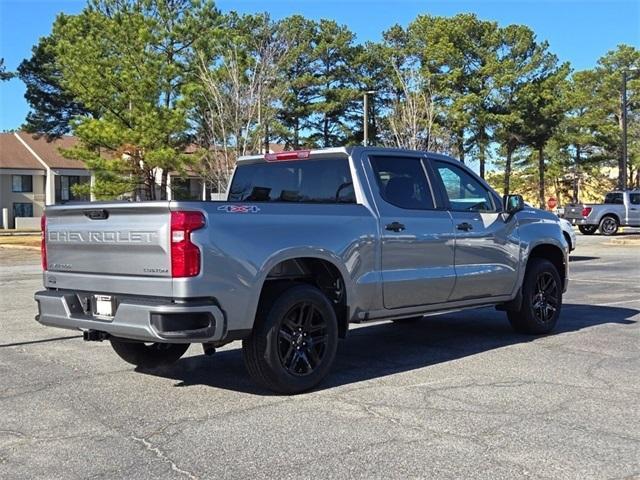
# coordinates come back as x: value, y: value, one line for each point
x: 19, y: 247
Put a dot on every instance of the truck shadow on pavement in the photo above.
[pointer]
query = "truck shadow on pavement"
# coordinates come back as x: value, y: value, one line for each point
x: 382, y: 349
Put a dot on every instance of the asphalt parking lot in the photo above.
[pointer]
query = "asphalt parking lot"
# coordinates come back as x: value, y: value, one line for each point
x: 455, y: 396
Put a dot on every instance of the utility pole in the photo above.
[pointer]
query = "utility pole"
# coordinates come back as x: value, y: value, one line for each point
x: 623, y: 173
x: 365, y: 119
x: 622, y: 176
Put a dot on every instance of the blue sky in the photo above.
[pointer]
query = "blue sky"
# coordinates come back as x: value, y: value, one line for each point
x: 578, y: 31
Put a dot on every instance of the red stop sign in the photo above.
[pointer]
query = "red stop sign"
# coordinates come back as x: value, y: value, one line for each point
x: 552, y: 203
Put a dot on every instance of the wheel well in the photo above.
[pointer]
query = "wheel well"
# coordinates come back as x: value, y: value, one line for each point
x: 612, y: 215
x: 551, y: 253
x: 313, y: 271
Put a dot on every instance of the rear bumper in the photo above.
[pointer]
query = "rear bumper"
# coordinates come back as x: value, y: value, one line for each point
x: 578, y: 221
x: 144, y: 319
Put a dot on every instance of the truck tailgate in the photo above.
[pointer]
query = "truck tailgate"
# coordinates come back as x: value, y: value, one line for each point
x: 573, y: 211
x: 120, y: 238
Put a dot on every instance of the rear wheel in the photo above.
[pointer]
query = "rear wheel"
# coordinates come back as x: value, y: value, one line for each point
x: 541, y: 299
x: 149, y: 355
x: 587, y: 229
x: 294, y: 341
x: 609, y: 226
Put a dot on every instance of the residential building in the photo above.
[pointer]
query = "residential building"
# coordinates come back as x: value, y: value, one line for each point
x: 33, y: 173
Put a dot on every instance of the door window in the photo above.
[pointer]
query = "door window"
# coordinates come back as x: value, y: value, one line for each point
x: 465, y: 193
x: 634, y: 198
x: 402, y: 182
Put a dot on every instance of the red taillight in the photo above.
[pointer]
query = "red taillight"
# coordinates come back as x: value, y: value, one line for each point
x: 185, y: 256
x: 586, y: 211
x: 43, y: 241
x: 283, y: 156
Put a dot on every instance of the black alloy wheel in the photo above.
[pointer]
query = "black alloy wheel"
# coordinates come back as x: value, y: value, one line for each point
x: 544, y: 302
x: 302, y: 339
x: 294, y: 340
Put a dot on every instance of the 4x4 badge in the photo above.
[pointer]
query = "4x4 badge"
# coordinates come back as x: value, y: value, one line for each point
x: 239, y: 208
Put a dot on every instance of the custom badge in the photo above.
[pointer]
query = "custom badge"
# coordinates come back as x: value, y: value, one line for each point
x: 239, y: 208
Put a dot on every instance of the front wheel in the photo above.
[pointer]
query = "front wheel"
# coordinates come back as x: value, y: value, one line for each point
x: 294, y: 341
x: 541, y: 299
x: 609, y: 226
x: 587, y: 229
x: 148, y: 355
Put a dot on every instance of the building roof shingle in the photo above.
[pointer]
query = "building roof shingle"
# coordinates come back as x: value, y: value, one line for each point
x: 49, y: 151
x: 14, y: 155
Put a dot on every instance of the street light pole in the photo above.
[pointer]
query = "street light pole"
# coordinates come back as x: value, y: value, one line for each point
x: 623, y: 173
x: 365, y: 119
x: 625, y: 157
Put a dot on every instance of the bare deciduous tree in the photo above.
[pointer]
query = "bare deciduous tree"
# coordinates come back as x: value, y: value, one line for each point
x: 411, y: 120
x: 239, y: 85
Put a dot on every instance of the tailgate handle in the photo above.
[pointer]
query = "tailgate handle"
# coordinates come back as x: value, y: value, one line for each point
x: 96, y: 214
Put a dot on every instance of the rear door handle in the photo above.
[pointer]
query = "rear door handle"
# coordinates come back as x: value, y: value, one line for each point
x: 395, y: 227
x: 465, y: 226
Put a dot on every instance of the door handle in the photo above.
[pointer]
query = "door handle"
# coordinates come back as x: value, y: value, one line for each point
x: 395, y: 227
x: 465, y: 226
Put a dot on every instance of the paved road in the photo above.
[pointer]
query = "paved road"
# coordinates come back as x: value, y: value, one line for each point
x: 458, y: 396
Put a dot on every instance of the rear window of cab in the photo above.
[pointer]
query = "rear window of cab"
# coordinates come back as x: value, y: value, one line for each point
x: 301, y: 181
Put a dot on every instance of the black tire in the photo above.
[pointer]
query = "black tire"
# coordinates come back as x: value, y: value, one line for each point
x: 609, y: 225
x: 149, y: 355
x: 294, y: 341
x: 541, y: 299
x: 587, y: 229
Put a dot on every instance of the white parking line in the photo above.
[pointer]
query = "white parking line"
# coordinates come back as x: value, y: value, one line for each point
x: 597, y: 281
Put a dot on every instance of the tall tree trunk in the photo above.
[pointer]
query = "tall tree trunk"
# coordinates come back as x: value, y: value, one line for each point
x: 296, y: 134
x: 460, y: 145
x: 482, y: 158
x: 163, y: 184
x: 576, y: 176
x: 507, y: 170
x: 541, y: 176
x: 325, y: 130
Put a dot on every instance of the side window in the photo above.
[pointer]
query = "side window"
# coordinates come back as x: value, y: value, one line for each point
x: 465, y: 193
x: 301, y: 181
x: 402, y: 182
x: 634, y: 198
x: 614, y: 198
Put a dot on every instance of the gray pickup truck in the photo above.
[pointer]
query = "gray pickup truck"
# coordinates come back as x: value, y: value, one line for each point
x: 307, y: 242
x: 620, y: 208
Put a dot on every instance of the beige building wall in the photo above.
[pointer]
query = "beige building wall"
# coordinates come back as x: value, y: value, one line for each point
x: 8, y: 197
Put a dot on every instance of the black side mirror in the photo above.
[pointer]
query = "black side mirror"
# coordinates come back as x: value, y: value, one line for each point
x: 512, y: 203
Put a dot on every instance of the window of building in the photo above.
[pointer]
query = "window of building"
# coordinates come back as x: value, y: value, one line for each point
x: 22, y: 210
x: 403, y: 182
x: 466, y: 194
x: 64, y: 187
x: 302, y: 181
x: 22, y: 183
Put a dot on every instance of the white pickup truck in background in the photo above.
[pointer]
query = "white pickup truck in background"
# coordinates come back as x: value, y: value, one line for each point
x: 620, y: 208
